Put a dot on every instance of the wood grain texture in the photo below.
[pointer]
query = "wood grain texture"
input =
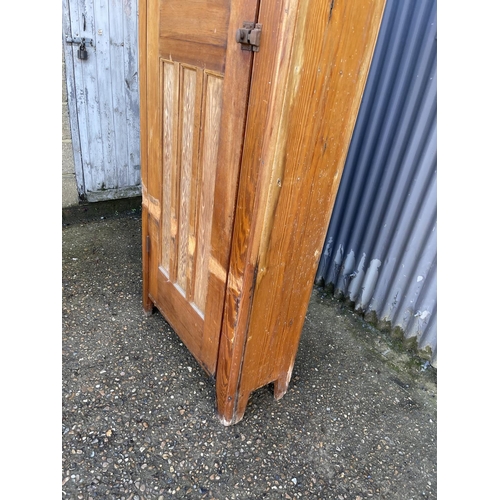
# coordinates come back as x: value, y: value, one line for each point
x: 195, y: 32
x: 266, y: 100
x: 208, y: 164
x: 154, y: 257
x: 192, y: 164
x: 241, y: 180
x: 284, y: 204
x: 192, y: 100
x: 187, y: 321
x: 195, y: 187
x: 170, y: 86
x: 195, y: 54
x: 153, y: 130
x: 195, y: 21
x: 238, y: 67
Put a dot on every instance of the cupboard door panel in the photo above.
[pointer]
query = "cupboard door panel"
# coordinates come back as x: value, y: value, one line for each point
x: 195, y: 80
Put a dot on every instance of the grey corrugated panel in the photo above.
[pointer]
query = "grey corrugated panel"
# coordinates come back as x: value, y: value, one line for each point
x: 380, y: 250
x: 403, y: 210
x: 425, y: 309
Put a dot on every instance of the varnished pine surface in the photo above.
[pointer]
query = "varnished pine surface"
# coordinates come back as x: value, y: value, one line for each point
x: 294, y: 154
x: 192, y: 129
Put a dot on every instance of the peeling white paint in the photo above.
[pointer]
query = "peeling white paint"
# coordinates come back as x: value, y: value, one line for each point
x: 350, y: 262
x: 370, y: 282
x: 328, y: 247
x: 358, y: 279
x: 225, y: 422
x: 422, y: 315
x: 339, y: 255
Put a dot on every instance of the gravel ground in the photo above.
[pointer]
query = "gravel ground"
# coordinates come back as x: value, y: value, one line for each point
x: 138, y: 413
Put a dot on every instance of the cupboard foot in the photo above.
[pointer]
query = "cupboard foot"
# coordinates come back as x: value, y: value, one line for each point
x: 147, y: 306
x: 230, y: 412
x: 281, y: 385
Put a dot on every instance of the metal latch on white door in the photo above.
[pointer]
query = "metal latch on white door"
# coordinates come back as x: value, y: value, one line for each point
x: 83, y: 43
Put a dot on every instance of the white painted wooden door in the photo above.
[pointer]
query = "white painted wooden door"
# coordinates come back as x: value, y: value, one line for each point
x: 103, y: 97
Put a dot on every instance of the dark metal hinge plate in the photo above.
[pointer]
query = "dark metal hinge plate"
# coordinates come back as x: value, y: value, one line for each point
x: 249, y: 36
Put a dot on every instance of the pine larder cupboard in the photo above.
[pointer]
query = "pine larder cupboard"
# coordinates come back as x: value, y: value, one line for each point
x: 247, y: 110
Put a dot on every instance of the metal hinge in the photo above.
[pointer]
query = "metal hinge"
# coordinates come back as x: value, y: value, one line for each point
x: 249, y: 36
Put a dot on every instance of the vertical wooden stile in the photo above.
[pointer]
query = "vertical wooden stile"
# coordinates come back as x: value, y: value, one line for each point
x: 234, y: 118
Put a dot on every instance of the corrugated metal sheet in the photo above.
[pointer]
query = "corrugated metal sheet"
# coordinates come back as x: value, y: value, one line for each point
x: 380, y: 251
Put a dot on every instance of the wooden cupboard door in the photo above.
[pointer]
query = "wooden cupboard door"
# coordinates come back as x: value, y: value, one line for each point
x: 194, y: 91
